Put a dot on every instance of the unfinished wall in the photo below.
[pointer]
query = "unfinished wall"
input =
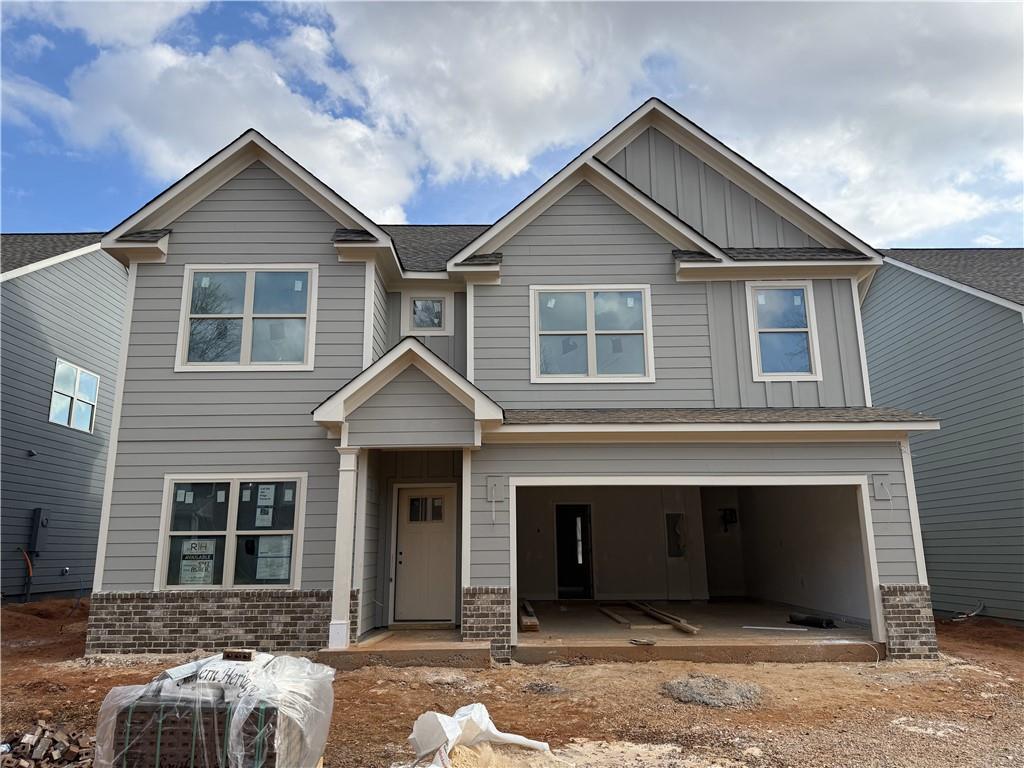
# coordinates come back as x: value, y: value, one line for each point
x: 802, y: 546
x: 723, y: 545
x: 628, y: 537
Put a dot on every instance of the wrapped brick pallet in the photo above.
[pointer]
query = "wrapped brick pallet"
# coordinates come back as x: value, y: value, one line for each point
x: 267, y: 712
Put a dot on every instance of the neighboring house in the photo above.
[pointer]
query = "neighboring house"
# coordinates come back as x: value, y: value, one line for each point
x: 61, y: 312
x: 646, y: 381
x: 945, y: 334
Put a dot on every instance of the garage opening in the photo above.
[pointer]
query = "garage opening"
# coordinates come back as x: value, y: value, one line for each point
x: 602, y: 567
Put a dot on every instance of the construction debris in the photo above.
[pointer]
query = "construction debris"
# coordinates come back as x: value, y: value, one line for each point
x: 47, y: 746
x: 528, y: 621
x: 712, y: 691
x: 669, y: 618
x: 435, y: 735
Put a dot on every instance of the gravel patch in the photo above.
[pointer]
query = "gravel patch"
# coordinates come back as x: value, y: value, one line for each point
x: 712, y: 691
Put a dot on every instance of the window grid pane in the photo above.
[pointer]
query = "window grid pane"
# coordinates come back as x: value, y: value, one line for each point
x: 615, y: 339
x: 208, y: 544
x: 74, y: 397
x: 246, y: 317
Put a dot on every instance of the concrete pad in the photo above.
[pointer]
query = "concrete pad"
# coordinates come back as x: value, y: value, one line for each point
x: 410, y: 648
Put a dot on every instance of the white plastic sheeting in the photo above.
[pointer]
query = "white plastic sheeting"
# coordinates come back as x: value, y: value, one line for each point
x: 239, y: 694
x: 435, y: 735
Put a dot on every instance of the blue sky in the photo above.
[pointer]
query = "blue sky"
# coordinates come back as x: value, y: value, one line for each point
x: 903, y: 122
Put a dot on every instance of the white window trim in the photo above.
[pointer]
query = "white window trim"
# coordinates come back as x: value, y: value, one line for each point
x: 447, y: 299
x: 181, y: 352
x: 74, y: 397
x: 231, y: 533
x: 812, y: 331
x: 535, y: 375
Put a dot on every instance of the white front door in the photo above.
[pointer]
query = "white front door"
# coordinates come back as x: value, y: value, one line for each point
x: 425, y: 554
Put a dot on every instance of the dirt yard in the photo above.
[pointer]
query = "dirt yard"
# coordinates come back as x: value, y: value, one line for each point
x: 966, y: 710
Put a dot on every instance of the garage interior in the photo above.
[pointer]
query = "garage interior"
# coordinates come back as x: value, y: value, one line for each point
x: 600, y: 566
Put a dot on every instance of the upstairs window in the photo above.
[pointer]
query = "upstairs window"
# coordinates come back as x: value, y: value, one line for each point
x: 592, y: 334
x: 783, y: 340
x: 256, y: 317
x: 427, y: 313
x: 74, y: 396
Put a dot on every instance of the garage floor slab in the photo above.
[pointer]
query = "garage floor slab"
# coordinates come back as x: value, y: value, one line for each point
x: 578, y: 630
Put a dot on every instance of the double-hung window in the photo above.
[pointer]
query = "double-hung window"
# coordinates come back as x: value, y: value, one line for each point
x: 232, y: 532
x: 591, y: 334
x: 74, y: 396
x: 259, y: 317
x: 783, y: 339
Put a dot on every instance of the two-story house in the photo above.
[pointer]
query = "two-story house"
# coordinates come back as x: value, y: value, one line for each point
x: 646, y: 381
x: 61, y: 306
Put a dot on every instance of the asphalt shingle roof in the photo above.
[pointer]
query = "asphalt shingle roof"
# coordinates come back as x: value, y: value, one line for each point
x: 21, y: 250
x: 427, y: 247
x: 999, y: 271
x: 776, y: 254
x: 709, y: 415
x: 144, y: 236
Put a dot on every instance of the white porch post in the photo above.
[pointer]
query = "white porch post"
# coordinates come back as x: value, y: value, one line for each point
x: 338, y: 635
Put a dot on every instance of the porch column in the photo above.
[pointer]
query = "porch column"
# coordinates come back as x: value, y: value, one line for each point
x: 338, y: 634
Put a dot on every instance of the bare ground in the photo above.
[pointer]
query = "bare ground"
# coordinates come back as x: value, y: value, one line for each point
x: 965, y: 710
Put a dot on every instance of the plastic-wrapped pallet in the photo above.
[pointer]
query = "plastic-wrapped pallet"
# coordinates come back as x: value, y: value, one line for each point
x: 270, y: 712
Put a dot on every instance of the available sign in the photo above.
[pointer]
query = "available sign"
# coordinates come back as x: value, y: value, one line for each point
x: 197, y: 557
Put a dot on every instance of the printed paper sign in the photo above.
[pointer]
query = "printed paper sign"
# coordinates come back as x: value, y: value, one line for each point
x: 221, y: 496
x: 246, y: 494
x: 289, y: 494
x: 180, y: 495
x: 274, y: 558
x: 264, y: 517
x: 189, y: 497
x: 265, y: 496
x: 197, y: 556
x: 298, y: 286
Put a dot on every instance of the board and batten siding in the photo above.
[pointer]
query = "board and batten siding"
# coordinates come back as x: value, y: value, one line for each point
x: 380, y: 316
x: 587, y: 239
x: 410, y: 411
x: 958, y: 358
x: 231, y: 422
x: 842, y: 382
x: 490, y: 552
x: 703, y: 198
x: 73, y: 311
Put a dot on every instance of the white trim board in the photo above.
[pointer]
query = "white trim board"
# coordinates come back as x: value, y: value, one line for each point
x: 954, y: 284
x: 859, y: 482
x: 48, y: 262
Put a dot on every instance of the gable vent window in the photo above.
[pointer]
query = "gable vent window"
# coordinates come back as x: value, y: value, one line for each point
x: 592, y: 333
x: 259, y: 318
x: 74, y: 397
x: 784, y: 345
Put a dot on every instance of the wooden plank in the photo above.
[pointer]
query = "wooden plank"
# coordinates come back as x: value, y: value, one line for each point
x: 666, y: 617
x: 614, y: 616
x: 528, y: 621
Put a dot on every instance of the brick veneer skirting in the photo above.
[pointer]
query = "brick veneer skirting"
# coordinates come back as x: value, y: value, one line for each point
x: 178, y: 621
x: 353, y: 615
x: 909, y: 623
x: 487, y: 615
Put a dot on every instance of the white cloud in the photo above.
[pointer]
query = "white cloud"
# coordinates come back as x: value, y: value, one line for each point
x: 988, y: 241
x: 32, y: 47
x: 106, y: 23
x: 171, y: 110
x: 897, y: 120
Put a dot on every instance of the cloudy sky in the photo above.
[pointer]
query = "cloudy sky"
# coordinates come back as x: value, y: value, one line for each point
x: 903, y: 122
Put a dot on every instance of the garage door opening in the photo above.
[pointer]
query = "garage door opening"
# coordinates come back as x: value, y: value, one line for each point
x: 600, y: 567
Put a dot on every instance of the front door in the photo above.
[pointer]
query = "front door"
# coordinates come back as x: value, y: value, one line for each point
x: 572, y: 537
x: 425, y: 555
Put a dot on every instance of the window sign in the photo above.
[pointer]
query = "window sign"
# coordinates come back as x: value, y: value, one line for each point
x: 273, y: 562
x: 265, y: 496
x: 197, y: 558
x: 264, y: 517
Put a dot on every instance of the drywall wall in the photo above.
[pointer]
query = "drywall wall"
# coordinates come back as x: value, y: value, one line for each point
x: 723, y: 544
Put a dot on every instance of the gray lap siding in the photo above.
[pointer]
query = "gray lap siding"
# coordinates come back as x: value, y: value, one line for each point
x: 237, y: 421
x: 894, y: 542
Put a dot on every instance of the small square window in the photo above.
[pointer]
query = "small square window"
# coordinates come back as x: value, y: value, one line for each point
x: 428, y: 314
x: 74, y: 397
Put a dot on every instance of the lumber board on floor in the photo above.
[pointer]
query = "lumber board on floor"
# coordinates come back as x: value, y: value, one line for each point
x: 528, y: 621
x: 669, y: 618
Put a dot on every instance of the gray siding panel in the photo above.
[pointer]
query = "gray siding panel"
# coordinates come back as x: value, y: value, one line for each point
x: 734, y: 386
x: 451, y: 349
x: 490, y: 522
x: 960, y: 359
x: 380, y: 316
x: 702, y: 197
x: 72, y: 310
x: 232, y: 422
x: 585, y: 238
x: 411, y: 410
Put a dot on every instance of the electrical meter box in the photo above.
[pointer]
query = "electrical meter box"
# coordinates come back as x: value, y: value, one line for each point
x: 40, y: 531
